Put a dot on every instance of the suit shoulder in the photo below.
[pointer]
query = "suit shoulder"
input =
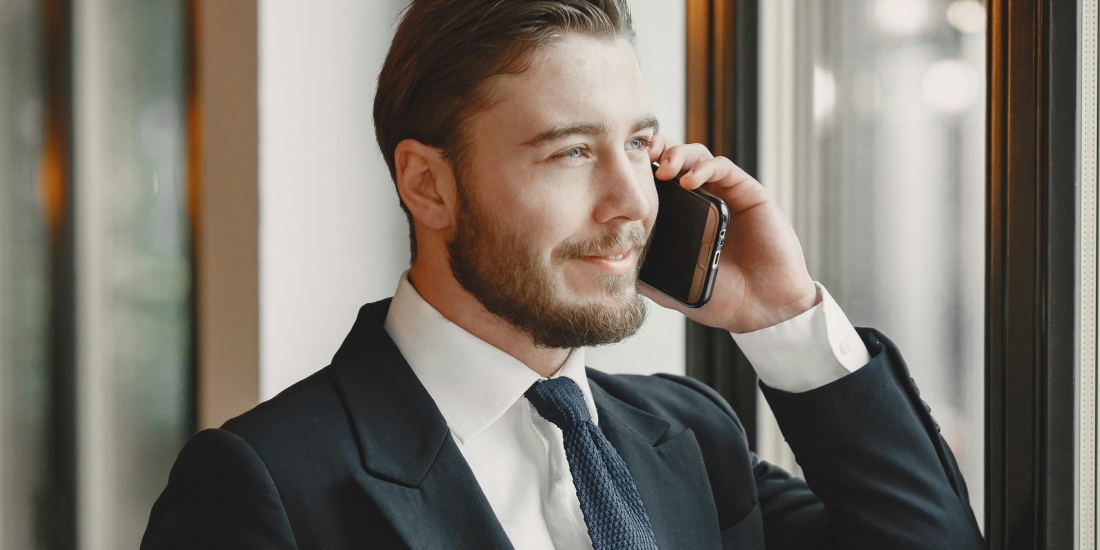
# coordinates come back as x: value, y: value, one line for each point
x: 219, y: 495
x: 309, y: 408
x: 214, y: 450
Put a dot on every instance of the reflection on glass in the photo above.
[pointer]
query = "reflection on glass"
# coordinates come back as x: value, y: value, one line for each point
x: 24, y: 277
x: 872, y: 141
x: 133, y: 260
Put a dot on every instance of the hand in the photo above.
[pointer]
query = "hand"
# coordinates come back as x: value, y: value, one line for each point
x: 762, y: 278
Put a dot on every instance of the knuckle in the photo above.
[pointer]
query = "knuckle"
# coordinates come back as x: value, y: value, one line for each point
x: 703, y: 150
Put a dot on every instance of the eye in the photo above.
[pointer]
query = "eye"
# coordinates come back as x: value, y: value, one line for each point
x: 573, y: 153
x: 638, y: 143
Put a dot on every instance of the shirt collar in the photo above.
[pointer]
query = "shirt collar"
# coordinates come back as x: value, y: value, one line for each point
x: 472, y: 382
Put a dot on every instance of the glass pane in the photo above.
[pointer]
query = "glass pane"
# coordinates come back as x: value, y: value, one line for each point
x: 24, y: 277
x: 872, y: 140
x: 133, y: 260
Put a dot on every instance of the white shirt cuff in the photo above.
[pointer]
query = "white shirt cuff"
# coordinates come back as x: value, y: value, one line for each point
x: 807, y: 351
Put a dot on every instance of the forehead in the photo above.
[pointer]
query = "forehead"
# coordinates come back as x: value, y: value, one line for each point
x: 578, y: 79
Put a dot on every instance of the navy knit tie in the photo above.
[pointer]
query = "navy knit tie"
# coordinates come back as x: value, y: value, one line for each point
x: 610, y: 503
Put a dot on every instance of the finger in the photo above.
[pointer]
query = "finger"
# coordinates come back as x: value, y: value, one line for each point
x: 710, y: 170
x: 674, y: 159
x: 721, y: 177
x: 733, y: 185
x: 678, y: 158
x: 658, y: 145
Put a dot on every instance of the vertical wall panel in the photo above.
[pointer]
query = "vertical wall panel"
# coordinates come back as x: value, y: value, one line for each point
x: 332, y: 236
x: 225, y: 137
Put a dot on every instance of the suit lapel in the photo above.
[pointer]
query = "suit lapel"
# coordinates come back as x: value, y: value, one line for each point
x: 668, y: 470
x: 412, y: 468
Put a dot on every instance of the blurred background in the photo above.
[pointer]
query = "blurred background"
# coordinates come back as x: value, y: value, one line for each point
x: 193, y: 208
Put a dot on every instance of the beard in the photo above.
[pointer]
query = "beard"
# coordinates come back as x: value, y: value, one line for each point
x: 509, y: 278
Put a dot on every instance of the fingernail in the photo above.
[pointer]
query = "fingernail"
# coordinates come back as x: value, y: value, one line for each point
x: 690, y: 172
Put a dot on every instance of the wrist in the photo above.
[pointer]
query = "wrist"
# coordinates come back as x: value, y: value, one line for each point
x: 776, y: 315
x: 798, y: 307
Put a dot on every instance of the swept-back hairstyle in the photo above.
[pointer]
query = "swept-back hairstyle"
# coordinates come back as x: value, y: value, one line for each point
x: 444, y: 50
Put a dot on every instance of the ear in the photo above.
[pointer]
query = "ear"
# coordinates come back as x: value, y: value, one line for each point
x: 426, y: 183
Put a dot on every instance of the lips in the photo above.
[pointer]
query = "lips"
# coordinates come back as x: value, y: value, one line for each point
x: 620, y: 261
x: 614, y: 254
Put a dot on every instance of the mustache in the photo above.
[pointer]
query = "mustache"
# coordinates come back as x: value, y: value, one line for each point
x: 613, y: 240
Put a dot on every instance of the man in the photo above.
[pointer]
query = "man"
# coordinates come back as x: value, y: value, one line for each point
x: 459, y: 414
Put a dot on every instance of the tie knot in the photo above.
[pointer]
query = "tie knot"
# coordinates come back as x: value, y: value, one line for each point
x: 560, y: 401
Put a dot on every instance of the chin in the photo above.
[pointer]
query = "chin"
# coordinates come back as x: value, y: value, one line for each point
x: 602, y: 289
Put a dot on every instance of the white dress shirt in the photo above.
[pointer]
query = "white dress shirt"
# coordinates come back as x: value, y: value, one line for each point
x: 807, y: 351
x: 518, y: 457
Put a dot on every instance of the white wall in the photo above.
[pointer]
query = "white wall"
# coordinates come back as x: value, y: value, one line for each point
x: 332, y: 236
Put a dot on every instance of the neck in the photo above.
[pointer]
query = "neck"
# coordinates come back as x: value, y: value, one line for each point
x: 437, y: 286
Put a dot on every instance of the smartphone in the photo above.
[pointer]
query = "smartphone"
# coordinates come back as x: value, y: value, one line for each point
x: 687, y: 240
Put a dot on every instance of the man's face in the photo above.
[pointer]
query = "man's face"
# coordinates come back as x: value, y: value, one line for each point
x: 557, y: 198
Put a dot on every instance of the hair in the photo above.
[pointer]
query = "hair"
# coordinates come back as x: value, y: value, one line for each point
x: 445, y: 50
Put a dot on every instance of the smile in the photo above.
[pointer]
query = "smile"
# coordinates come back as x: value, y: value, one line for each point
x: 612, y: 262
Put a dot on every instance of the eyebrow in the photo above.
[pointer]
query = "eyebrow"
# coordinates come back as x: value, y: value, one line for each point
x: 588, y: 129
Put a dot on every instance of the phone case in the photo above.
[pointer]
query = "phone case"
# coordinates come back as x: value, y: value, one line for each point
x: 715, y: 252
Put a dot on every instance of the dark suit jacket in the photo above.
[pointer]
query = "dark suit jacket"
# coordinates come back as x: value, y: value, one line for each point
x: 358, y: 456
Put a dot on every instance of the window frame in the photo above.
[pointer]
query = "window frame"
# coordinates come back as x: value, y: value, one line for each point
x: 1031, y: 288
x: 59, y: 503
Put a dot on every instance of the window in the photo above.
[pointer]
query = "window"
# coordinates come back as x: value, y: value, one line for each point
x: 133, y: 261
x: 96, y: 367
x: 25, y: 236
x: 872, y: 141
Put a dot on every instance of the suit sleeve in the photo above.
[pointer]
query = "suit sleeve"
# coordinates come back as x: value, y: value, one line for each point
x: 219, y: 495
x: 873, y: 455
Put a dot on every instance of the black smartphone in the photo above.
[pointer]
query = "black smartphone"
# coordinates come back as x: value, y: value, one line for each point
x: 686, y: 243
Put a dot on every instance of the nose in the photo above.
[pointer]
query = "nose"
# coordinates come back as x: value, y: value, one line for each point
x: 620, y: 195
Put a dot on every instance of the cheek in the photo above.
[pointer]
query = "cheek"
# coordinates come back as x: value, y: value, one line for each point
x: 560, y: 222
x: 543, y: 210
x: 543, y: 220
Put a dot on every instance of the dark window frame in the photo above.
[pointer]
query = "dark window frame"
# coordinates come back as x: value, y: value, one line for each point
x: 1031, y: 283
x: 56, y: 513
x: 722, y: 81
